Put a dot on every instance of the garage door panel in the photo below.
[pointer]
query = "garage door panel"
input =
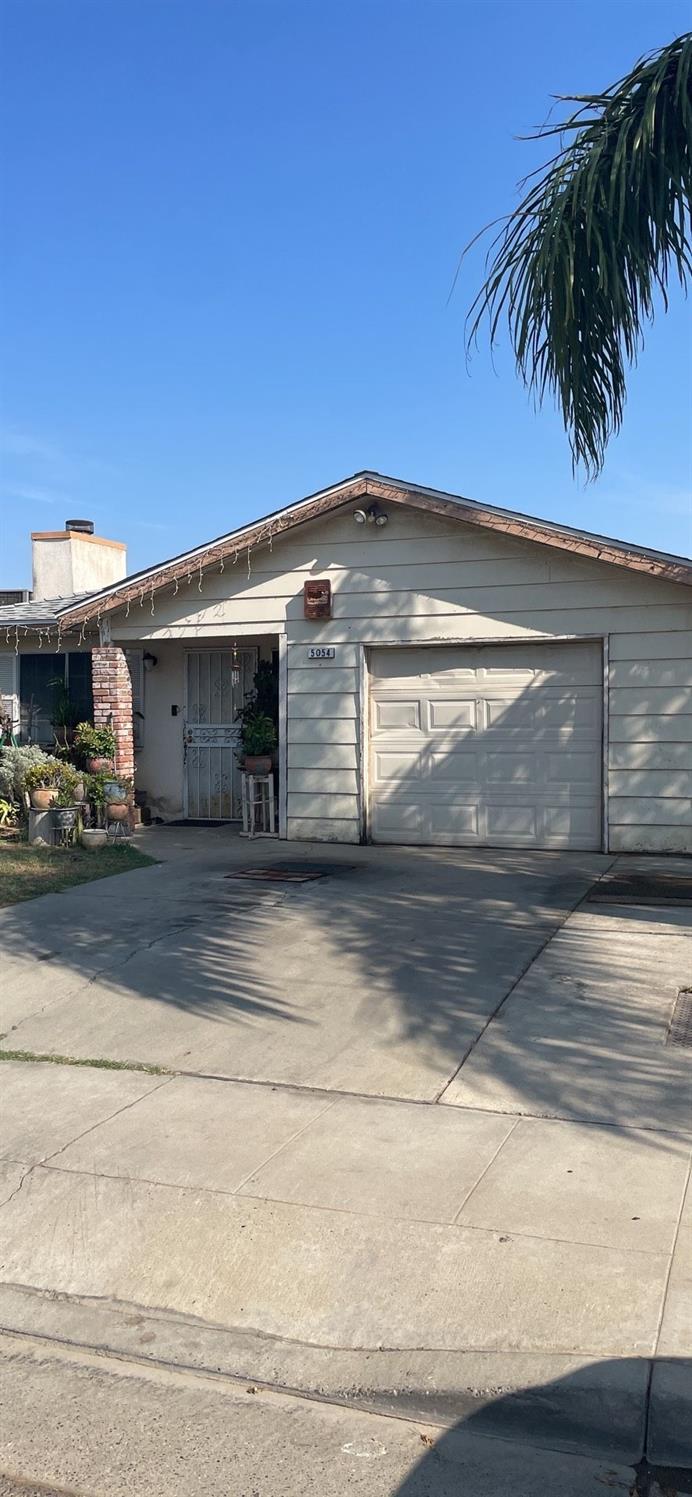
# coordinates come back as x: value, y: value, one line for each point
x: 512, y: 757
x: 455, y: 820
x: 460, y: 768
x: 451, y: 713
x: 571, y: 826
x: 512, y: 769
x: 397, y: 715
x: 514, y: 823
x: 571, y: 768
x: 399, y: 819
x: 396, y: 768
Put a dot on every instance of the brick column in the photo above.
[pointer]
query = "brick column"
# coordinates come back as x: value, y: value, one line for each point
x: 112, y: 689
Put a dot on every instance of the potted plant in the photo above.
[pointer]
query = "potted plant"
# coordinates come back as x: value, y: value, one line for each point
x: 42, y: 783
x: 95, y: 794
x: 66, y: 810
x: 117, y: 794
x: 258, y: 741
x: 97, y: 745
x: 262, y: 702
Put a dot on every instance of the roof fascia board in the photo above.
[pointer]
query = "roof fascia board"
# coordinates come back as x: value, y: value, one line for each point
x: 369, y: 486
x: 534, y: 530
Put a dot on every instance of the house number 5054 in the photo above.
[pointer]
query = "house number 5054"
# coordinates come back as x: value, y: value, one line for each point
x: 321, y: 652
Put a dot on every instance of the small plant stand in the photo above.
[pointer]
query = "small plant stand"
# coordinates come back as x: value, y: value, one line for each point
x: 118, y: 831
x: 257, y: 801
x: 41, y: 827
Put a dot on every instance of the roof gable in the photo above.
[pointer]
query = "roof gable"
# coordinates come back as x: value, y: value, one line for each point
x: 374, y: 486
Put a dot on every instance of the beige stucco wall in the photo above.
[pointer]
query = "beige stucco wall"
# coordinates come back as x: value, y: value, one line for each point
x: 69, y: 563
x: 422, y: 579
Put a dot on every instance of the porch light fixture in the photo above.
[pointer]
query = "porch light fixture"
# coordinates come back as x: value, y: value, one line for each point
x: 371, y: 516
x: 149, y: 660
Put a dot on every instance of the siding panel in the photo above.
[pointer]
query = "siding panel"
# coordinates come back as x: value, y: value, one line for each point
x: 330, y: 678
x: 661, y: 839
x: 674, y: 784
x: 651, y: 811
x: 328, y: 781
x: 666, y: 645
x: 326, y: 756
x: 650, y: 701
x: 646, y: 673
x: 317, y: 704
x: 320, y: 829
x: 336, y: 807
x: 460, y: 626
x: 651, y: 756
x: 676, y: 729
x: 322, y: 730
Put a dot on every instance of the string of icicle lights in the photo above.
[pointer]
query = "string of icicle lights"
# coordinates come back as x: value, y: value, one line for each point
x: 45, y: 631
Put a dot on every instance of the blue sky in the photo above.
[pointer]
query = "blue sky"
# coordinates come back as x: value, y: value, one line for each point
x: 230, y: 231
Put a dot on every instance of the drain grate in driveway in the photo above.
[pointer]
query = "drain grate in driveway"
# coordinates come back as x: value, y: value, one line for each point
x: 643, y: 888
x: 290, y: 873
x: 680, y: 1028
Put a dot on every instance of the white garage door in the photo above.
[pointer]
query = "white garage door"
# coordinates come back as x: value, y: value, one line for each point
x: 494, y: 744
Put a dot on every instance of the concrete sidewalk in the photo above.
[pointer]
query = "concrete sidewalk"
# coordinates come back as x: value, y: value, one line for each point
x: 386, y: 1253
x: 510, y: 1242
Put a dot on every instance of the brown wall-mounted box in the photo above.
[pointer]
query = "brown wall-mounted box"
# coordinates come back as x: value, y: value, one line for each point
x: 317, y: 599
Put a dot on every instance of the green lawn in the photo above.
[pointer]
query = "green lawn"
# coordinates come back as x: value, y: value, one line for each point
x: 27, y: 871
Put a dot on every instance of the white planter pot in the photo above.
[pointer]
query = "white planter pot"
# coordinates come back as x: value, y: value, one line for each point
x: 94, y: 837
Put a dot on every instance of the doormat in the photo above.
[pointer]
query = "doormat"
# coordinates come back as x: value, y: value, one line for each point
x: 290, y: 873
x: 188, y: 821
x: 680, y: 1028
x: 643, y: 888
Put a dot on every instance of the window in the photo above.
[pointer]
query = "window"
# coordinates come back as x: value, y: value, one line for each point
x: 52, y: 689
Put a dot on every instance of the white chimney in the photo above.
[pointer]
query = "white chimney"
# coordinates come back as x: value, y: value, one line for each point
x: 74, y: 560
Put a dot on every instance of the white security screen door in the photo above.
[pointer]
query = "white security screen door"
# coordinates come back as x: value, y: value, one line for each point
x: 217, y: 683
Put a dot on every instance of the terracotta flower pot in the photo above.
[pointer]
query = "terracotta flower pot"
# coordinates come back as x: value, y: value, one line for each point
x: 117, y: 810
x: 45, y: 797
x: 258, y: 764
x: 98, y: 765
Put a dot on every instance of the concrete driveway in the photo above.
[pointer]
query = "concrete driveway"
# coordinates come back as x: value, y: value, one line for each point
x: 377, y: 979
x: 423, y: 1141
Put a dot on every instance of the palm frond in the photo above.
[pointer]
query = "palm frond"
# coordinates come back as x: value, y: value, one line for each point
x: 601, y: 228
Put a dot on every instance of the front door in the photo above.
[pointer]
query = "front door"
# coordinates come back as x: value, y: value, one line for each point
x: 217, y: 683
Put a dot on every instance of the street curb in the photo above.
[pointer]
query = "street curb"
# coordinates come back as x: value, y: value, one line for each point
x: 589, y: 1406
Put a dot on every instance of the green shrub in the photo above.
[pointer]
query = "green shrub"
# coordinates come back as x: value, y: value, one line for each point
x: 67, y: 784
x: 95, y: 743
x: 8, y: 812
x: 14, y: 764
x: 258, y: 734
x: 46, y: 774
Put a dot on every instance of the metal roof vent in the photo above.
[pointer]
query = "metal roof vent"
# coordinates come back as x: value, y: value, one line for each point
x: 84, y: 527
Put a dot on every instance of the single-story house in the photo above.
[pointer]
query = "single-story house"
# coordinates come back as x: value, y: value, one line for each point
x: 449, y: 672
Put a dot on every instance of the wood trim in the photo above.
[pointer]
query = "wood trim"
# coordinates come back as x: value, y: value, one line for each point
x: 364, y: 741
x: 283, y: 737
x: 533, y: 530
x: 268, y: 530
x: 77, y: 535
x: 605, y: 765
